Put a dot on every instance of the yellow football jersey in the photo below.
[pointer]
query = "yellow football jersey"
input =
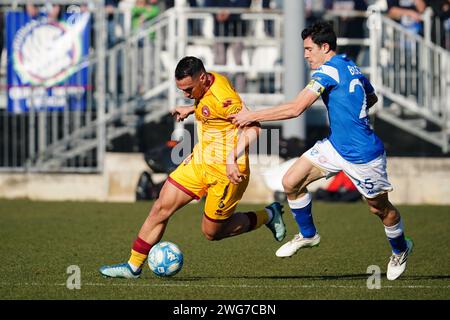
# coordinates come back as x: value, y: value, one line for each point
x: 216, y: 134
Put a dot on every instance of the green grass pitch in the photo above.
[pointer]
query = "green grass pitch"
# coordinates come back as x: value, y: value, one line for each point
x: 40, y: 240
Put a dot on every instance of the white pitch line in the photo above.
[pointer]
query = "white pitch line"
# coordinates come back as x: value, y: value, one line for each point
x: 223, y: 285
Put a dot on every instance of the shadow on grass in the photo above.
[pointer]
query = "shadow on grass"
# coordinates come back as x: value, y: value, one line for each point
x: 361, y: 276
x: 279, y: 277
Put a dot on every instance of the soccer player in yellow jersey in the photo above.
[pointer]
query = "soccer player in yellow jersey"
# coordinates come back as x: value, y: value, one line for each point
x: 217, y: 167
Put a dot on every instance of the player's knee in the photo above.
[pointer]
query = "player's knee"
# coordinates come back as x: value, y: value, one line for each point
x: 380, y: 206
x: 212, y: 236
x: 288, y: 185
x: 374, y: 210
x: 211, y: 233
x: 379, y: 211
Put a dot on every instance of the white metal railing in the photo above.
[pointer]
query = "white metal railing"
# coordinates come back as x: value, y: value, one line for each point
x: 135, y: 80
x: 412, y: 75
x: 252, y: 51
x: 132, y: 82
x: 436, y: 28
x: 135, y: 76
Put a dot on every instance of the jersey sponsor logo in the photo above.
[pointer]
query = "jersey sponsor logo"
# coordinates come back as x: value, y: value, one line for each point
x: 205, y: 111
x: 227, y: 103
x: 219, y: 213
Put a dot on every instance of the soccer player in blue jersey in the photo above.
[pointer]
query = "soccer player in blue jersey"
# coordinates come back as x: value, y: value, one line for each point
x: 351, y: 146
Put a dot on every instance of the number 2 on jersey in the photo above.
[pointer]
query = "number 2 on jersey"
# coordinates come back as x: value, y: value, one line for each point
x: 353, y: 84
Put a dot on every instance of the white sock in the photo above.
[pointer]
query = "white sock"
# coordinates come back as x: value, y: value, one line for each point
x: 300, y: 202
x: 394, y: 231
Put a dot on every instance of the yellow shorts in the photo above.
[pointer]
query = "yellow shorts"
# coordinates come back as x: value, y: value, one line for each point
x: 222, y: 196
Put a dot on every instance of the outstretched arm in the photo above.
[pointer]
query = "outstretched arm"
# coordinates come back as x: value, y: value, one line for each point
x: 397, y: 12
x: 283, y: 111
x: 181, y: 113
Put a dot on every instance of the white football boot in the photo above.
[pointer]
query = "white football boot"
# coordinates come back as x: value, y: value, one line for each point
x: 291, y: 247
x: 397, y: 263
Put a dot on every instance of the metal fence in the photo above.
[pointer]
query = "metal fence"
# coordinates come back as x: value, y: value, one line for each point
x: 437, y: 28
x: 129, y: 82
x: 41, y: 113
x: 412, y: 75
x: 129, y: 73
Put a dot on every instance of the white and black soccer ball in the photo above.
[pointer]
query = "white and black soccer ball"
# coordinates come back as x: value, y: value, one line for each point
x: 165, y: 259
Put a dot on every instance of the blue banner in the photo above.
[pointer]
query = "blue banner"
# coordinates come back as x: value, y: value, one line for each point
x: 46, y: 68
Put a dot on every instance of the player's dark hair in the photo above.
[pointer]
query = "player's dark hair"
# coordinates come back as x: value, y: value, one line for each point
x: 189, y: 67
x: 321, y: 32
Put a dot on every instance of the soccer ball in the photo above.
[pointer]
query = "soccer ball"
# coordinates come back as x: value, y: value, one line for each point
x: 165, y: 259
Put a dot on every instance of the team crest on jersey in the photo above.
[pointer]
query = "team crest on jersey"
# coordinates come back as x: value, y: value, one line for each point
x: 205, y: 111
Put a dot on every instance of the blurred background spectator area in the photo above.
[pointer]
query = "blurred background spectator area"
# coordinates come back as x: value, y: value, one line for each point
x: 132, y: 88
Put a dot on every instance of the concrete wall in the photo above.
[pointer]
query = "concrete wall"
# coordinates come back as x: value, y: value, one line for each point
x: 415, y: 181
x: 420, y: 180
x: 116, y: 183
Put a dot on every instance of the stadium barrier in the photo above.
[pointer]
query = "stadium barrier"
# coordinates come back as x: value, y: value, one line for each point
x: 117, y: 183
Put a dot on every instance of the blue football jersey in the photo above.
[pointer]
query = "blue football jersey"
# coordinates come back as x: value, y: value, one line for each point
x: 343, y: 89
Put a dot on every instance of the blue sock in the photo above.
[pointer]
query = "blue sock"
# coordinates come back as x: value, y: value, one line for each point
x: 396, y: 237
x: 398, y: 244
x: 301, y: 210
